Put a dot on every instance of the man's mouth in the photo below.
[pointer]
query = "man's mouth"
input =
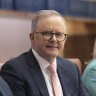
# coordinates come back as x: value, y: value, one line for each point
x: 51, y: 46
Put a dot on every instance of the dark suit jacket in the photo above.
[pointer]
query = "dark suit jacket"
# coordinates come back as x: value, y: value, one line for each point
x: 25, y: 77
x: 4, y: 88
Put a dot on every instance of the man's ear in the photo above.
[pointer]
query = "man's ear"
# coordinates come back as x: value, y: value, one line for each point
x: 31, y: 36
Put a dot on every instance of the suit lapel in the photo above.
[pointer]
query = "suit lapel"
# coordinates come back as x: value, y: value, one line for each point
x: 37, y: 74
x: 63, y: 79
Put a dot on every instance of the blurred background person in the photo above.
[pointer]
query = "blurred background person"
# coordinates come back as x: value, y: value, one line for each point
x: 89, y: 75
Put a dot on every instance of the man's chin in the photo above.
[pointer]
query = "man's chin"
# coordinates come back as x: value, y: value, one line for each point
x: 53, y: 55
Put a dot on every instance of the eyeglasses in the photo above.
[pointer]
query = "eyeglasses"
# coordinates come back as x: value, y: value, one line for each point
x: 48, y: 35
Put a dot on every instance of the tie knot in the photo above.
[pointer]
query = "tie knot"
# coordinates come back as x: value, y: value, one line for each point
x: 52, y: 68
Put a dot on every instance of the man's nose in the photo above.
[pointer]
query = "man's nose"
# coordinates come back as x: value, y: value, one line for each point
x: 53, y: 38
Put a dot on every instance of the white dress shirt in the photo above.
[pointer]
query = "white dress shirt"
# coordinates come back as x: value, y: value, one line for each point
x: 43, y: 65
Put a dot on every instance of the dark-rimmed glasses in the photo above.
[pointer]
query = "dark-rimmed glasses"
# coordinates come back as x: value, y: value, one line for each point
x: 48, y: 35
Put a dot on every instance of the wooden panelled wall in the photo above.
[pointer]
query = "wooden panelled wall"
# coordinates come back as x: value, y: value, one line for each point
x: 80, y: 42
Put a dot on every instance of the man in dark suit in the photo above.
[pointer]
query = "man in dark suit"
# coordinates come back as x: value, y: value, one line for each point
x: 28, y: 75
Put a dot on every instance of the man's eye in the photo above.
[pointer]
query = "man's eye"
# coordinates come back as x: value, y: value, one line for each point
x: 46, y: 33
x: 58, y: 34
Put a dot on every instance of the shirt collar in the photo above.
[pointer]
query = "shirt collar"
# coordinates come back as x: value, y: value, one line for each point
x: 42, y: 62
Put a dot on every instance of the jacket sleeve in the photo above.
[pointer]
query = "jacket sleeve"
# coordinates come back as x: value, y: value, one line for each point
x: 13, y: 78
x: 89, y: 80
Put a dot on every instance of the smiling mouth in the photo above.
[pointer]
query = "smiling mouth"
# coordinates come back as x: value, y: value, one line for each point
x: 52, y: 47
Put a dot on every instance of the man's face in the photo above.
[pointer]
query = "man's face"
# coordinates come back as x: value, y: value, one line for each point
x: 48, y: 48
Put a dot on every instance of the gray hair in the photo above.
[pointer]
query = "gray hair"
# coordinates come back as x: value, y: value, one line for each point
x: 41, y: 14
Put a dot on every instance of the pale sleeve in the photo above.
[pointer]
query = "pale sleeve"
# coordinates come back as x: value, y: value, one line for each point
x: 90, y: 82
